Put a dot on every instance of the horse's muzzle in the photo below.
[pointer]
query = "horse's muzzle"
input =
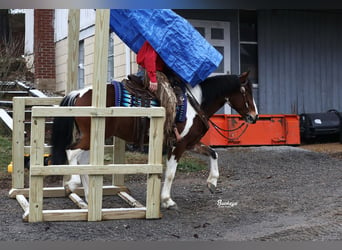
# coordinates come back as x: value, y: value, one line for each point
x: 251, y: 118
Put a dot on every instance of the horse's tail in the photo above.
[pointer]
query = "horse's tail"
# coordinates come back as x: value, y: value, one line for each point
x: 62, y: 132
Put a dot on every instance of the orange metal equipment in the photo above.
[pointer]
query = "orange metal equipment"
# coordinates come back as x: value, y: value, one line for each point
x: 268, y: 130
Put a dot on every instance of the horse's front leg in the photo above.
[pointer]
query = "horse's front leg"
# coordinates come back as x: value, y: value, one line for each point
x: 214, y: 172
x: 171, y: 167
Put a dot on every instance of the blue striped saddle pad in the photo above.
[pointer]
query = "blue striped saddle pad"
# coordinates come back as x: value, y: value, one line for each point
x: 123, y: 98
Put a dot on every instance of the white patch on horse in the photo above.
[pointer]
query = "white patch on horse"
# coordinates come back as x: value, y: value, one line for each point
x: 171, y: 167
x: 190, y: 112
x: 256, y: 108
x: 84, y: 160
x: 75, y: 180
x: 214, y: 173
x: 78, y: 157
x: 85, y: 90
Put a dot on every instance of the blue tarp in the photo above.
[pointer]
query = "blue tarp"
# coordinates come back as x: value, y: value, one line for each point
x: 178, y: 43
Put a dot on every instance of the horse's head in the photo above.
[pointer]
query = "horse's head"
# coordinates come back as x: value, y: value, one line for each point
x: 242, y: 100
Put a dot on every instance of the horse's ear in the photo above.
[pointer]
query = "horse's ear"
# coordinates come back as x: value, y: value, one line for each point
x: 243, y: 76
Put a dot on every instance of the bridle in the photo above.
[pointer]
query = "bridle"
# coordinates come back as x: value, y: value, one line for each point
x: 205, y: 119
x: 219, y: 130
x: 243, y: 93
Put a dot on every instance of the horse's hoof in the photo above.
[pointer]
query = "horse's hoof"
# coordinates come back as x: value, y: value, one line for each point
x: 169, y: 205
x: 173, y: 207
x: 211, y: 187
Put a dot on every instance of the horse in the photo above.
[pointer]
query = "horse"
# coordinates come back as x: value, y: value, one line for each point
x: 204, y: 99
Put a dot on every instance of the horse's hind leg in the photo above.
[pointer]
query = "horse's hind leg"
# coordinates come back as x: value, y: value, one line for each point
x: 78, y: 157
x: 214, y: 172
x: 71, y: 185
x: 84, y: 160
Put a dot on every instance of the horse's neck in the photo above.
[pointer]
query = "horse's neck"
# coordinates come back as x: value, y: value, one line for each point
x: 208, y: 109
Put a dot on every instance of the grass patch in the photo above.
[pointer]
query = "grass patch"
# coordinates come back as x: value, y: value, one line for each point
x: 189, y: 163
x: 5, y: 152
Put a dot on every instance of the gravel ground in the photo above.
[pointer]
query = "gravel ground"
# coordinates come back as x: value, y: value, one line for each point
x: 277, y: 193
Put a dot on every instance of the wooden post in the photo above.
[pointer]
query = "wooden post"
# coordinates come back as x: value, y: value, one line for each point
x: 154, y: 156
x: 73, y: 52
x: 18, y: 142
x: 119, y: 157
x: 97, y: 123
x: 73, y: 49
x: 37, y: 160
x: 18, y: 139
x: 38, y: 170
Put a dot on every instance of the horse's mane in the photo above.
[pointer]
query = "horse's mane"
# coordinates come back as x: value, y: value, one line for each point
x: 218, y: 86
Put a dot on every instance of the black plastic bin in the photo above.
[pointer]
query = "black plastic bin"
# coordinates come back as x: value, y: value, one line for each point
x: 321, y: 125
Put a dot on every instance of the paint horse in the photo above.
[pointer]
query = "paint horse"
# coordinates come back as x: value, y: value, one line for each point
x: 204, y: 100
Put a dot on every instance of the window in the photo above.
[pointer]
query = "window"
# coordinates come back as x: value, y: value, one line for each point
x: 217, y: 33
x: 80, y: 83
x: 249, y: 44
x: 110, y: 72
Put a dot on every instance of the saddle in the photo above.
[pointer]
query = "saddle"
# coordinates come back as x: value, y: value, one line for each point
x: 139, y: 90
x: 135, y: 86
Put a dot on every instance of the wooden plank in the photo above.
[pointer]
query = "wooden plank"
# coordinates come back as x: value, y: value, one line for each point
x: 18, y: 142
x: 36, y: 93
x: 156, y: 137
x: 154, y: 180
x: 18, y: 136
x: 123, y: 213
x: 47, y: 149
x: 130, y: 200
x: 23, y: 202
x: 97, y: 112
x: 153, y: 196
x: 46, y: 101
x: 7, y: 119
x: 25, y: 216
x: 95, y: 197
x: 25, y: 205
x: 98, y: 124
x: 36, y: 199
x: 119, y: 157
x: 37, y: 159
x: 78, y: 201
x: 82, y: 214
x: 97, y: 169
x: 55, y: 192
x: 65, y: 215
x: 73, y: 49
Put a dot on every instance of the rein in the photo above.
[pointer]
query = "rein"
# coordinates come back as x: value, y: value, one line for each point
x: 219, y: 129
x: 205, y: 119
x: 194, y: 103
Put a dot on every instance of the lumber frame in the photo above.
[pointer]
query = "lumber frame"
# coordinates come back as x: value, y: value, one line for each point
x: 33, y: 209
